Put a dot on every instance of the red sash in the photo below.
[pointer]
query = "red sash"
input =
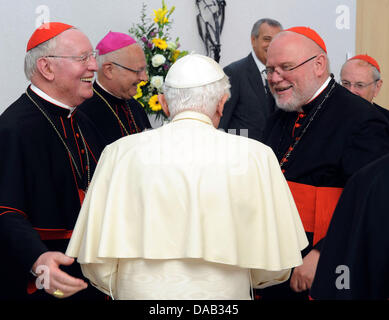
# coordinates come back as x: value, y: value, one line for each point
x: 315, y: 206
x: 54, y: 234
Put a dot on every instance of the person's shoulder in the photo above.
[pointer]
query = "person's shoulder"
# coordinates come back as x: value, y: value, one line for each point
x: 237, y: 64
x: 136, y: 139
x: 348, y: 100
x: 354, y: 107
x: 249, y: 143
x: 90, y: 105
x: 374, y: 172
x: 136, y: 105
x: 383, y: 110
x: 20, y: 114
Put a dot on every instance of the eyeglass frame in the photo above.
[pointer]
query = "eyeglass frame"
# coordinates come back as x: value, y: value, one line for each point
x: 270, y: 70
x: 83, y: 58
x: 129, y: 69
x: 357, y: 85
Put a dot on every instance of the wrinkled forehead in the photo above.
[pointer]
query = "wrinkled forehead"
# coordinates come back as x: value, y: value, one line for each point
x: 131, y: 54
x: 283, y: 47
x: 357, y: 69
x: 74, y: 42
x: 289, y: 46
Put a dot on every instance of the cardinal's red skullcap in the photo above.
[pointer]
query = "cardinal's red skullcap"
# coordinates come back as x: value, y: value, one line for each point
x: 311, y: 34
x: 368, y: 59
x: 46, y: 32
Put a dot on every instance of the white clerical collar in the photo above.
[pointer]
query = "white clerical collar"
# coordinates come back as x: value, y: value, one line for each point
x: 102, y: 87
x: 46, y: 97
x: 324, y: 85
x: 192, y: 115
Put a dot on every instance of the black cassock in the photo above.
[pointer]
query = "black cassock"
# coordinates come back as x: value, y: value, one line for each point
x: 343, y: 133
x: 384, y: 111
x: 354, y: 260
x: 40, y: 185
x: 114, y: 117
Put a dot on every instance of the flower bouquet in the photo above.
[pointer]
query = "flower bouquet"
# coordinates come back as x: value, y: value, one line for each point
x: 160, y: 54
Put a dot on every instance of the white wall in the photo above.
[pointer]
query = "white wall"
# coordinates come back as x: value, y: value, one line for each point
x: 97, y: 17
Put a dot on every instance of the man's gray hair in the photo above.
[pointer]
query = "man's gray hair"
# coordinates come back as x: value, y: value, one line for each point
x: 44, y: 49
x: 32, y: 56
x: 202, y: 99
x: 376, y: 73
x: 270, y: 22
x: 108, y: 57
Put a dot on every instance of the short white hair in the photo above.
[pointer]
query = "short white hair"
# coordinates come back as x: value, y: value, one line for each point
x: 202, y: 99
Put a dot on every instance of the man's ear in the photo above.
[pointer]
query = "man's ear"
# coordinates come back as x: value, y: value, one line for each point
x: 321, y: 64
x: 163, y: 103
x: 220, y: 105
x: 378, y: 87
x: 219, y: 110
x: 44, y: 67
x: 107, y: 69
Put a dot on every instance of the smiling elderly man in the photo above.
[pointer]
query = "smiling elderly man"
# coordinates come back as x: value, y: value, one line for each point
x: 321, y: 135
x: 48, y: 155
x: 122, y: 66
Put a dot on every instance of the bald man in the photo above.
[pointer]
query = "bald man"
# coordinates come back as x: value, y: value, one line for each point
x: 321, y: 135
x: 361, y: 75
x: 121, y: 67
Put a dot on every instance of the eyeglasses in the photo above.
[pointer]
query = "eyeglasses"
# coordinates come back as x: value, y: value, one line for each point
x: 83, y: 59
x: 356, y: 85
x: 129, y: 69
x: 270, y: 70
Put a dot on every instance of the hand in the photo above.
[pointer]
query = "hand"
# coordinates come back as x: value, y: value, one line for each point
x: 302, y: 276
x: 56, y: 279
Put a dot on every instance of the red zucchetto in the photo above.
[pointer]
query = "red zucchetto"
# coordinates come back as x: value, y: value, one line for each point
x: 46, y: 32
x: 368, y: 59
x: 311, y: 34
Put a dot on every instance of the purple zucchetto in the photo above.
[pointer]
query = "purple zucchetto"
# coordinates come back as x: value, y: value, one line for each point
x: 114, y: 41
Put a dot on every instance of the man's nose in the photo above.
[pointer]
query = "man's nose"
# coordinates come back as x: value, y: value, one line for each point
x: 275, y: 77
x: 92, y: 64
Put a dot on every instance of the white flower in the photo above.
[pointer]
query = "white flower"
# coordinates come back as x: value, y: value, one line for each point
x: 158, y: 60
x: 156, y: 82
x: 172, y: 45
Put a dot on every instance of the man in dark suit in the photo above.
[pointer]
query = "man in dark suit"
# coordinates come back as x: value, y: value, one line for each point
x: 251, y: 102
